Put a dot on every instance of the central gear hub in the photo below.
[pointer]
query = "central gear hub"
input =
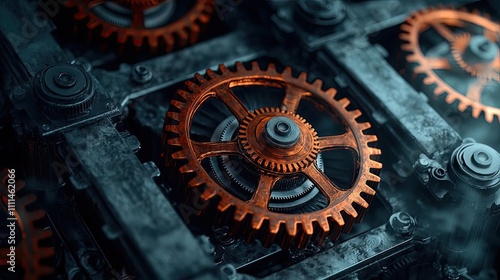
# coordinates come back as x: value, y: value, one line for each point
x: 278, y: 141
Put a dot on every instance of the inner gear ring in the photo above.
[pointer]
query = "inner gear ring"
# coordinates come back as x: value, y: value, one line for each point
x: 287, y: 190
x: 275, y: 160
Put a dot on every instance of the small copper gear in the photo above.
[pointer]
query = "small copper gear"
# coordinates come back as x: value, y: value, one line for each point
x: 274, y: 159
x: 485, y: 71
x: 271, y: 155
x: 30, y: 251
x: 143, y: 22
x: 472, y: 55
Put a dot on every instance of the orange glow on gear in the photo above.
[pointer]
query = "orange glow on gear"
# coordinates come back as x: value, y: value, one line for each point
x: 484, y: 68
x: 252, y: 218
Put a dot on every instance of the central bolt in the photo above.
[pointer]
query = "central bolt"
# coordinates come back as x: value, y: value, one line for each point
x: 282, y: 132
x: 482, y: 158
x: 402, y: 223
x: 65, y: 80
x: 482, y: 49
x: 282, y: 128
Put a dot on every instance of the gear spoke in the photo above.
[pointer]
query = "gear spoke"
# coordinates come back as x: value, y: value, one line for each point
x: 346, y: 140
x: 138, y: 18
x: 262, y: 193
x: 226, y: 95
x: 444, y: 31
x: 292, y: 98
x: 474, y: 90
x: 496, y: 63
x: 439, y: 63
x: 212, y: 149
x: 322, y: 182
x: 94, y: 3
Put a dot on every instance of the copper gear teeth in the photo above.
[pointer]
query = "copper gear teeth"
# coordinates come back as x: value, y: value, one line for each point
x: 439, y: 19
x: 252, y: 218
x: 31, y: 253
x: 182, y: 32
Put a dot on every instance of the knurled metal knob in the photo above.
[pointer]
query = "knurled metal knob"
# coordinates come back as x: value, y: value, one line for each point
x: 64, y: 90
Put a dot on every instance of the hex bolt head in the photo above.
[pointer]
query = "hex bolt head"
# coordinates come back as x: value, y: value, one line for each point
x: 142, y: 74
x: 321, y: 13
x: 439, y: 173
x: 229, y: 271
x: 19, y: 93
x: 451, y: 272
x: 402, y: 223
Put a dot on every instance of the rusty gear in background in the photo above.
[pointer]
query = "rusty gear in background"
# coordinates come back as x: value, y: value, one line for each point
x: 141, y: 3
x: 154, y: 24
x: 465, y: 65
x: 279, y: 145
x: 31, y: 251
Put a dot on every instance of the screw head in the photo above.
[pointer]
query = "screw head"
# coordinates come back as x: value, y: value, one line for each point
x: 402, y: 223
x: 142, y: 74
x: 65, y: 80
x: 19, y: 93
x: 321, y: 12
x: 439, y: 173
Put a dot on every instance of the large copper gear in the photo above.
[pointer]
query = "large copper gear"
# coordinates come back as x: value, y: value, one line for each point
x: 158, y: 38
x: 252, y: 218
x: 29, y: 251
x: 456, y: 28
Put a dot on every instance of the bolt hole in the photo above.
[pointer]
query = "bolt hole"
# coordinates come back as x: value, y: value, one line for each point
x: 283, y: 127
x: 65, y: 77
x: 439, y: 172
